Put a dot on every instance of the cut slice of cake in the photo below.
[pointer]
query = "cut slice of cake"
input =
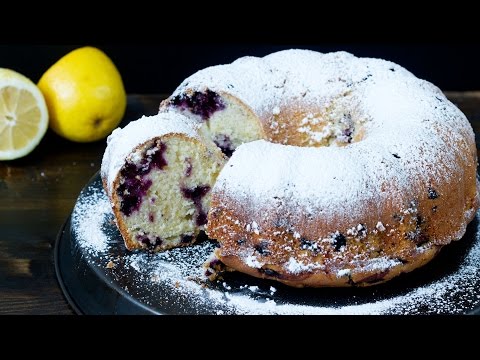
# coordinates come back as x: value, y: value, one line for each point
x: 158, y: 172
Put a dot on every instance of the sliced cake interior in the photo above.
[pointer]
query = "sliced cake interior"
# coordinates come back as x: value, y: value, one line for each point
x: 161, y: 191
x: 222, y: 118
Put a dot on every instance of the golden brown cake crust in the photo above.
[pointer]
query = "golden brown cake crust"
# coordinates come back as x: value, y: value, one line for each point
x: 401, y: 187
x: 316, y: 251
x: 368, y: 257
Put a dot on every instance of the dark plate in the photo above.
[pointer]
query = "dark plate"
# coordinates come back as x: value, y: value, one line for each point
x: 99, y: 276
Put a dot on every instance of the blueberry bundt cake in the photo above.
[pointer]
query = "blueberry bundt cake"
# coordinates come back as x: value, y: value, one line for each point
x: 345, y: 171
x: 158, y: 174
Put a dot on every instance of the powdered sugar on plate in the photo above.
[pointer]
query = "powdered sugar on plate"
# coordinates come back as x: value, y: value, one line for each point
x: 88, y: 220
x: 173, y: 281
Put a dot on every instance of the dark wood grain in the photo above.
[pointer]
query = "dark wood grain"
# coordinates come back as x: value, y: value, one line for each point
x: 37, y: 194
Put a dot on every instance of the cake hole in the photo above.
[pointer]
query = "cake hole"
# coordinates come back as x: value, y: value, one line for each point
x: 326, y: 127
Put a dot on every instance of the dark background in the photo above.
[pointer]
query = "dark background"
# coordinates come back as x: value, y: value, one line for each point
x: 159, y: 68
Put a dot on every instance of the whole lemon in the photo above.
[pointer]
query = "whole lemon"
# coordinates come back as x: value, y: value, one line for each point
x: 85, y: 95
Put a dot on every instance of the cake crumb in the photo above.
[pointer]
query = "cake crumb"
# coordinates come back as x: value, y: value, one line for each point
x: 380, y: 226
x: 343, y: 272
x: 110, y: 265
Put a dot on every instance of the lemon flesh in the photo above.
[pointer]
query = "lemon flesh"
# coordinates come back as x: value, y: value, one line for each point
x: 23, y: 115
x: 85, y: 95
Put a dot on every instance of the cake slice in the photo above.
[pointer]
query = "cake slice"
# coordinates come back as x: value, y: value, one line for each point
x: 223, y: 100
x: 158, y: 172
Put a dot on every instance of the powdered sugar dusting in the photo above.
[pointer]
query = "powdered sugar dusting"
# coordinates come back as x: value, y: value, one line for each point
x: 401, y: 139
x: 267, y: 84
x: 296, y: 267
x: 88, y: 220
x: 380, y: 264
x: 253, y: 262
x: 406, y: 123
x: 178, y: 274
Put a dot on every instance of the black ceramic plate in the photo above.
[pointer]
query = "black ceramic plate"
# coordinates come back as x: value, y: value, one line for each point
x: 99, y: 276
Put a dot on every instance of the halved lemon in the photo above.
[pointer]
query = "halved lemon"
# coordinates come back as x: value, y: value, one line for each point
x: 23, y: 115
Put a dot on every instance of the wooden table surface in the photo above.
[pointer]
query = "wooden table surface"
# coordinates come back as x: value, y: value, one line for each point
x: 37, y: 194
